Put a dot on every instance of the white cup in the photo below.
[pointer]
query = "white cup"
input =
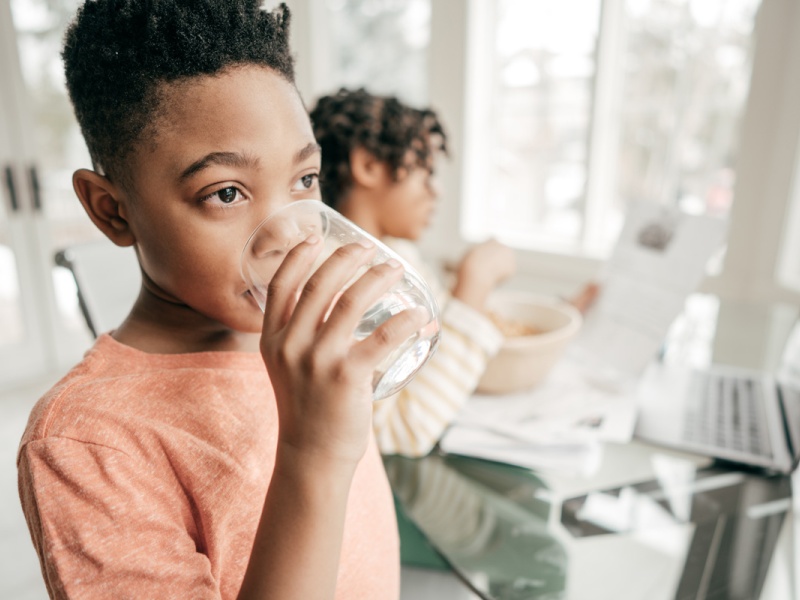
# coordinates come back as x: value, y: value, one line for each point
x: 276, y: 235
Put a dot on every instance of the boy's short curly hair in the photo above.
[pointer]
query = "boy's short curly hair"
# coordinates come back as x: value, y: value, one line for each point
x: 118, y: 54
x: 382, y: 125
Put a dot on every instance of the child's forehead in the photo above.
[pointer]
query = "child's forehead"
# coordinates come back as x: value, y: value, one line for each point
x: 230, y: 101
x: 201, y: 96
x: 246, y: 109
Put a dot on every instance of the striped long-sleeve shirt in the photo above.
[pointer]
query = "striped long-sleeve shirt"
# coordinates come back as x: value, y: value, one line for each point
x: 413, y: 420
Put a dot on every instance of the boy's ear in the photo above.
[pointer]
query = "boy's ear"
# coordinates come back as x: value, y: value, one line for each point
x: 100, y: 201
x: 367, y: 170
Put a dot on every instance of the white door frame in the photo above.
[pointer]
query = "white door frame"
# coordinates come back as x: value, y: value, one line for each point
x: 36, y: 353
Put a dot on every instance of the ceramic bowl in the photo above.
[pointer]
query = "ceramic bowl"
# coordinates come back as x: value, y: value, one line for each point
x: 538, y: 329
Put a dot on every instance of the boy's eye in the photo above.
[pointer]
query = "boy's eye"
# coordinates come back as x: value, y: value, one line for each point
x: 306, y: 182
x: 226, y: 195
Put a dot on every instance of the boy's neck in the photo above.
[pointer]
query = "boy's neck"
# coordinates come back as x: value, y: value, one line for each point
x: 158, y: 326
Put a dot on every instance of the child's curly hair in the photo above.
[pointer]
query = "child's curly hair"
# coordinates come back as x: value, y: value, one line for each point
x: 119, y: 53
x: 382, y: 125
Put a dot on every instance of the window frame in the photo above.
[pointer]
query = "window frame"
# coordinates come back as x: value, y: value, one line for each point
x: 761, y: 261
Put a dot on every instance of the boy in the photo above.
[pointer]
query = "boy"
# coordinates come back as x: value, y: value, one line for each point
x: 378, y: 163
x: 170, y: 463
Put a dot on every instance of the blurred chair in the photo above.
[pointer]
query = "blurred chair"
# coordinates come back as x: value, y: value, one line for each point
x: 108, y: 281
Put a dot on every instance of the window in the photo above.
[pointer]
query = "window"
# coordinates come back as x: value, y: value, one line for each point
x: 576, y: 107
x: 377, y: 44
x: 60, y: 148
x: 57, y: 139
x: 628, y: 100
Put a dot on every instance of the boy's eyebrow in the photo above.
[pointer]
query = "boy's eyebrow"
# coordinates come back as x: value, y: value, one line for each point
x: 235, y: 159
x: 228, y: 159
x: 311, y: 149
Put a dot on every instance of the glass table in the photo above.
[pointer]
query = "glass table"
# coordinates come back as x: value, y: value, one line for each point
x: 648, y: 523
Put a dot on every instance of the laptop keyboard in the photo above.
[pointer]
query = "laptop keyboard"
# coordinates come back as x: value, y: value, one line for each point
x: 727, y: 412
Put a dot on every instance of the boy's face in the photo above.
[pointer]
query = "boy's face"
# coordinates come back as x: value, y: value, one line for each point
x: 230, y: 149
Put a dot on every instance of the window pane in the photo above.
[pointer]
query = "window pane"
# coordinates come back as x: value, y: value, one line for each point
x: 669, y: 78
x: 60, y: 148
x: 686, y: 77
x: 535, y: 148
x: 380, y: 45
x: 40, y: 26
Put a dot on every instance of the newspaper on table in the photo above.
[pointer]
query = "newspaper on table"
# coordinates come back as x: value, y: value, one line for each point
x: 590, y: 396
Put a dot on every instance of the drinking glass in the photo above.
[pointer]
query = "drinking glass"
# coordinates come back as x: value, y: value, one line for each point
x: 276, y: 235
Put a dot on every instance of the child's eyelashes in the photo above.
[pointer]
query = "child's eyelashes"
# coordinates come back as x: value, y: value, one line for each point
x: 306, y: 182
x: 223, y: 197
x: 231, y: 195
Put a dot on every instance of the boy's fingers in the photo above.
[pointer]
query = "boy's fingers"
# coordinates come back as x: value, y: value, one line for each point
x: 323, y: 286
x: 288, y: 279
x: 362, y: 294
x: 386, y: 338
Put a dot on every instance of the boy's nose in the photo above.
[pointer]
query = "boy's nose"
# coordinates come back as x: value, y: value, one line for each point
x: 282, y: 231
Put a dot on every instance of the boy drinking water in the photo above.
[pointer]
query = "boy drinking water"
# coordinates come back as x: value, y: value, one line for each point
x: 202, y: 449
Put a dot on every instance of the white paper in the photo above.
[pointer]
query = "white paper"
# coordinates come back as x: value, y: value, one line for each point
x: 573, y: 460
x: 558, y: 425
x: 660, y: 258
x: 565, y: 409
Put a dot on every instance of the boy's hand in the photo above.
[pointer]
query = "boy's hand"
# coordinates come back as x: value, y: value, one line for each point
x: 321, y: 375
x: 481, y: 270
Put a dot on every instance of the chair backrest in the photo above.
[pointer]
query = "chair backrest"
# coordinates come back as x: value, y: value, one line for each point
x: 108, y: 281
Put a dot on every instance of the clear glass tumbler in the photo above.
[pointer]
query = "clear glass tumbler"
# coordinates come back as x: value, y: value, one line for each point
x: 290, y: 225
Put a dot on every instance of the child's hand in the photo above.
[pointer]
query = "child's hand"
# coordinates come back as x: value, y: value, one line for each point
x: 482, y: 269
x: 585, y: 297
x: 321, y: 375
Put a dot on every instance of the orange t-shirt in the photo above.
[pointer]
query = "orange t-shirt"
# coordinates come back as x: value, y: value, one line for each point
x: 144, y: 476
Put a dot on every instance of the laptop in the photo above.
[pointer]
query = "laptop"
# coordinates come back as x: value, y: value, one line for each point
x: 727, y: 385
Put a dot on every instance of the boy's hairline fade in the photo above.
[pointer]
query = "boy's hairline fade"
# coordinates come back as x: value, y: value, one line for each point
x: 120, y: 57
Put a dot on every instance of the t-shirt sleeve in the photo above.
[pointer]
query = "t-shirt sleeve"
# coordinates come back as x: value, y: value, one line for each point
x: 105, y: 527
